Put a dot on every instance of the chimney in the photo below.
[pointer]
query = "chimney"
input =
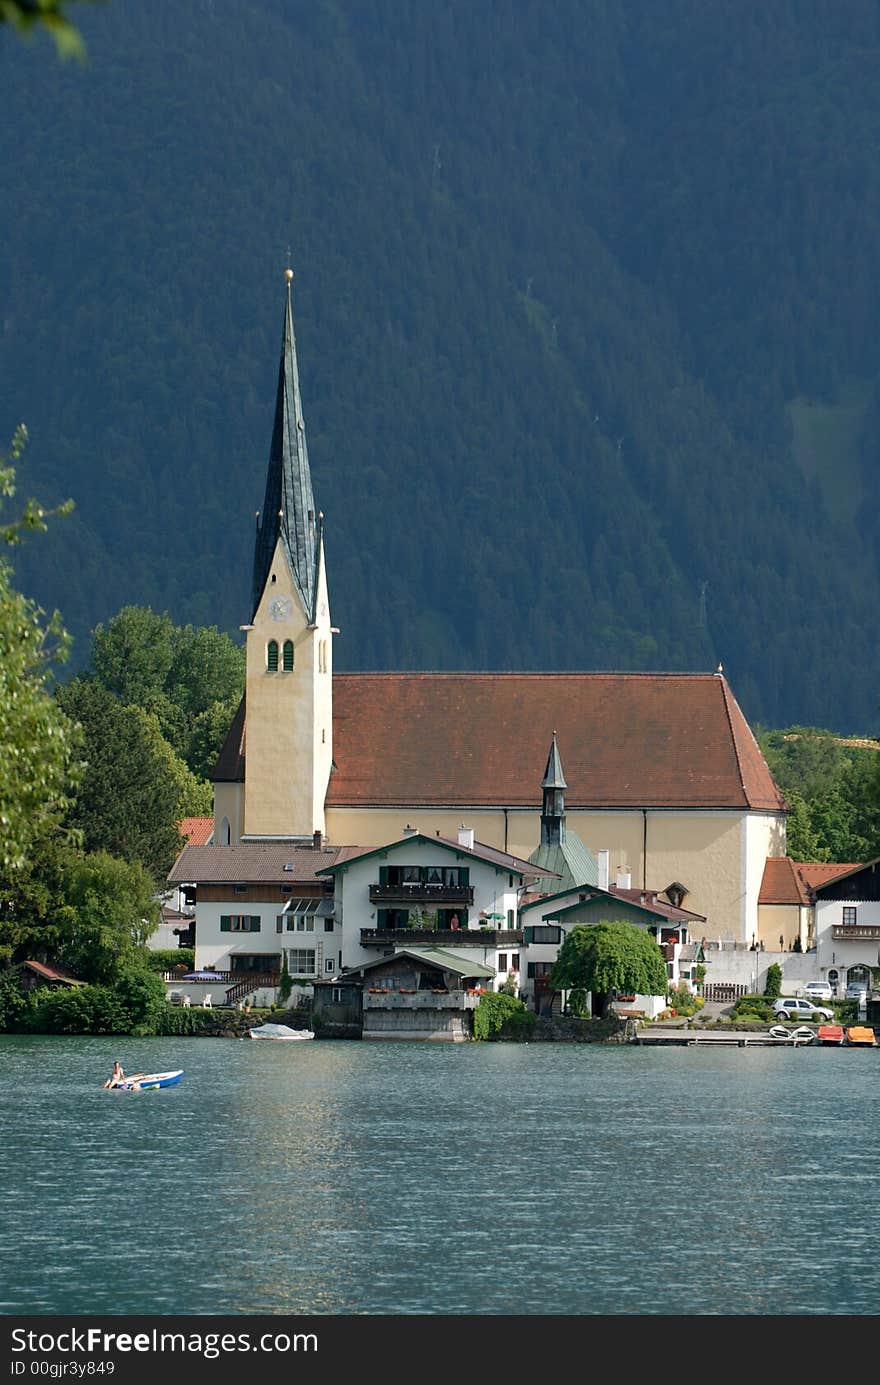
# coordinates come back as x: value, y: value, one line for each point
x: 409, y: 830
x: 602, y: 859
x: 317, y: 840
x: 466, y: 837
x: 624, y: 879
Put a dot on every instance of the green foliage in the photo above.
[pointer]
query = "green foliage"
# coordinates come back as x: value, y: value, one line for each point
x: 753, y: 1007
x: 191, y: 679
x: 683, y: 1000
x: 51, y: 17
x: 142, y: 994
x: 286, y: 983
x: 167, y: 958
x: 111, y: 913
x: 499, y: 1015
x: 773, y: 984
x: 601, y: 956
x: 176, y: 1020
x: 37, y: 742
x: 13, y: 1003
x: 833, y: 787
x: 134, y: 790
x: 76, y: 1010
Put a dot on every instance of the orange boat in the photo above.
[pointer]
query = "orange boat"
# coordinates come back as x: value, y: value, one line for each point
x: 829, y: 1034
x: 861, y: 1035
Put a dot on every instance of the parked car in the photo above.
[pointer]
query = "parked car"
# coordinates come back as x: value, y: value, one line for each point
x: 799, y: 1007
x: 857, y: 990
x: 818, y: 990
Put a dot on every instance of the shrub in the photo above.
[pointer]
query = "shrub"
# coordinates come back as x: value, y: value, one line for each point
x: 502, y: 1016
x: 167, y: 958
x: 682, y: 999
x: 142, y: 995
x: 286, y: 985
x: 753, y: 1007
x: 773, y: 984
x: 78, y: 1010
x: 13, y: 1003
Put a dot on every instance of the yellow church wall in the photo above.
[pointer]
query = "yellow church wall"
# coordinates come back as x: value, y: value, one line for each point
x: 718, y: 856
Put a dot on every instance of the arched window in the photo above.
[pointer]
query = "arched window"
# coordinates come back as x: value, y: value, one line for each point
x: 287, y: 655
x: 272, y: 656
x: 225, y: 832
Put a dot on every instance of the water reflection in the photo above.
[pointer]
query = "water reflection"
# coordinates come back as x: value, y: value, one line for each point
x: 346, y: 1177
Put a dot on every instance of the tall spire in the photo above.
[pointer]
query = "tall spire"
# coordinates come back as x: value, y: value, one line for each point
x: 553, y: 809
x: 289, y: 506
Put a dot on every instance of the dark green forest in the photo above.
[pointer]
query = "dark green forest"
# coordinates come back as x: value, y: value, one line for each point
x: 586, y: 299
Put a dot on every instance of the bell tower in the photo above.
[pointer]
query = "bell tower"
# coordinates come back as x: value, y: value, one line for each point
x: 289, y: 700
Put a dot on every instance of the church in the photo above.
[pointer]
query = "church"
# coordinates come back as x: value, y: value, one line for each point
x: 662, y: 771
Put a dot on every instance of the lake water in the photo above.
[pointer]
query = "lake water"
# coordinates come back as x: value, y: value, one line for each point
x: 333, y: 1177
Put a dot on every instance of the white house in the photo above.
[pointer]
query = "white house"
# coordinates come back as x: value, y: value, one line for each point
x: 432, y: 891
x: 848, y: 927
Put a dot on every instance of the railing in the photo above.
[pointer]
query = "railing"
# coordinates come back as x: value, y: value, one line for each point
x: 250, y: 982
x: 441, y: 937
x: 420, y: 1000
x: 857, y: 932
x: 421, y: 894
x: 722, y: 990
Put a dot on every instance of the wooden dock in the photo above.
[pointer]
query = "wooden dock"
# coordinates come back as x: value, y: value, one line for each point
x: 687, y: 1038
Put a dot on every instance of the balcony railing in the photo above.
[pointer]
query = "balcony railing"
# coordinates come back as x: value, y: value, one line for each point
x: 420, y: 1000
x: 441, y: 937
x: 857, y: 932
x: 413, y: 892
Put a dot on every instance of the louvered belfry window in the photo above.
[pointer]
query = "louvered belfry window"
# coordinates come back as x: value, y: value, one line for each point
x: 272, y: 656
x: 287, y: 655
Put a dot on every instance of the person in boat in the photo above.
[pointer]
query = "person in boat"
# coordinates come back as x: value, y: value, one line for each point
x: 116, y: 1076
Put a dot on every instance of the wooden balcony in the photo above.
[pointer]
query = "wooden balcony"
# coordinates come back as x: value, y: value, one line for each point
x: 414, y: 893
x: 441, y: 937
x: 420, y: 1000
x: 856, y: 932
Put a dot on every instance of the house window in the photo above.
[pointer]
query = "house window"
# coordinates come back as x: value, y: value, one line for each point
x: 850, y: 914
x: 514, y: 961
x: 543, y: 933
x: 301, y: 961
x: 328, y: 925
x: 239, y: 889
x: 287, y: 656
x: 510, y: 919
x: 239, y: 923
x: 502, y: 961
x: 272, y: 656
x: 329, y: 964
x: 538, y: 969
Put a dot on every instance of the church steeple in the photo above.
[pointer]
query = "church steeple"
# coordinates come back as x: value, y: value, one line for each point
x: 553, y: 809
x: 289, y: 506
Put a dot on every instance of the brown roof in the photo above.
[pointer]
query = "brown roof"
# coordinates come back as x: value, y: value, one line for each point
x: 197, y: 831
x: 256, y: 863
x: 53, y: 973
x: 789, y: 882
x: 627, y: 740
x: 650, y: 899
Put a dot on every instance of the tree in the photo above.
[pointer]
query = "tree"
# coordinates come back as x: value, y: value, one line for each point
x: 606, y: 956
x: 112, y: 912
x: 134, y: 790
x: 37, y: 742
x: 25, y: 15
x: 190, y: 678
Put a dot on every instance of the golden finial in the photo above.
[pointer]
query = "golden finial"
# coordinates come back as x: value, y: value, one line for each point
x: 288, y: 274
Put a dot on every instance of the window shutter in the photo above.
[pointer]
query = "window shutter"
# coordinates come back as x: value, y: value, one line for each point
x: 383, y: 875
x: 279, y: 923
x: 254, y: 923
x: 527, y: 935
x: 225, y: 923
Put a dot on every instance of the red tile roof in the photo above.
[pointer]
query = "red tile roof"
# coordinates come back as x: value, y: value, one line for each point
x: 197, y: 831
x: 53, y: 973
x: 627, y: 740
x: 789, y: 882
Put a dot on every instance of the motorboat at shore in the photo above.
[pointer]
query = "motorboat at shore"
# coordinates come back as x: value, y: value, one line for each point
x: 279, y: 1031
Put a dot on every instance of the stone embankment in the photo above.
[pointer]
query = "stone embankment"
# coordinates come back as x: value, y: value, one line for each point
x: 567, y: 1029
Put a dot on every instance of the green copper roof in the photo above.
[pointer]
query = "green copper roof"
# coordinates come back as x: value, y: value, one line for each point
x: 288, y: 506
x: 570, y: 859
x: 553, y: 776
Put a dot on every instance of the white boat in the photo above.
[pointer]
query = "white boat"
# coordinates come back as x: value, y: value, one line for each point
x: 148, y: 1081
x: 279, y: 1031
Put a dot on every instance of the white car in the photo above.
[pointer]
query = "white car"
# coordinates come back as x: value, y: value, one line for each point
x: 818, y: 990
x: 799, y: 1007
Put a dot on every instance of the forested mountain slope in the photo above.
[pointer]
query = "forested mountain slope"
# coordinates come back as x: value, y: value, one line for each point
x: 586, y: 307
